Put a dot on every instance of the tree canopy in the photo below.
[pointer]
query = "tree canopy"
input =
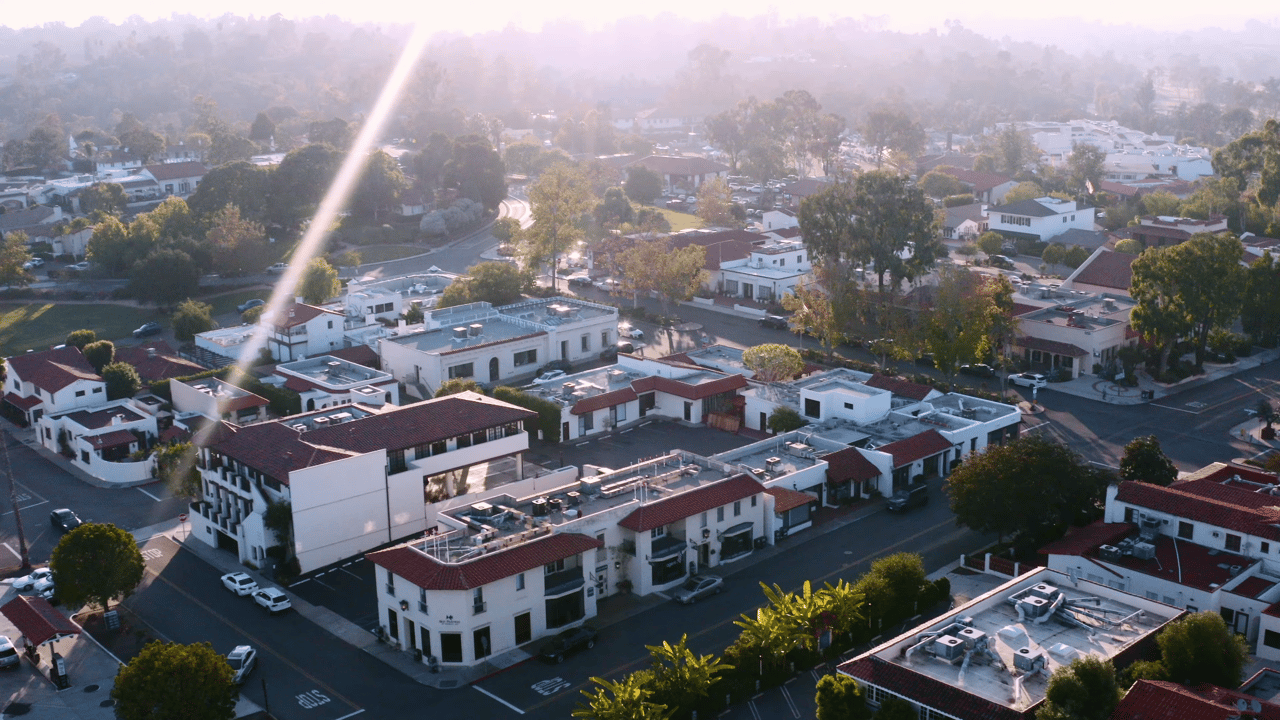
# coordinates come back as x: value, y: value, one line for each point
x: 642, y: 185
x: 675, y: 274
x: 772, y: 362
x: 319, y: 282
x: 497, y: 283
x: 165, y: 277
x: 169, y: 680
x: 558, y: 200
x: 96, y: 563
x: 1086, y: 689
x: 1145, y: 461
x: 192, y: 317
x: 122, y: 380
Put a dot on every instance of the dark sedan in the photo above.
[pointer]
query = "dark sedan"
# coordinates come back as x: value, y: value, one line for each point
x: 777, y: 322
x: 568, y: 642
x: 64, y: 520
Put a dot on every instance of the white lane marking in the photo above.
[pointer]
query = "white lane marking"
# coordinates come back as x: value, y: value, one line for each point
x: 351, y: 715
x: 790, y: 703
x: 1167, y: 407
x: 1033, y: 427
x: 28, y: 507
x: 495, y: 697
x: 144, y: 492
x: 1109, y: 467
x: 300, y: 582
x: 10, y: 549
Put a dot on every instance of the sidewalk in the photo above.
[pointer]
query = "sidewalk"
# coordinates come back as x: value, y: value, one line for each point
x: 612, y: 610
x: 1092, y: 387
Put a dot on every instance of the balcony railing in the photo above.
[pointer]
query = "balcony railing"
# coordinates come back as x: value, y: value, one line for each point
x: 479, y: 607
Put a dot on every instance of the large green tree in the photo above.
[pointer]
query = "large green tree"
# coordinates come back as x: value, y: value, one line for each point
x: 99, y: 353
x: 298, y: 184
x: 642, y: 185
x: 1212, y: 286
x: 891, y: 129
x: 674, y: 274
x: 497, y: 283
x: 715, y: 204
x: 237, y: 245
x: 772, y: 362
x: 957, y: 327
x: 840, y: 698
x: 1086, y: 689
x: 380, y: 186
x: 1200, y: 648
x: 190, y: 318
x: 108, y: 197
x: 1145, y: 461
x: 1024, y: 486
x: 96, y: 563
x: 1160, y: 314
x: 477, y: 171
x: 813, y: 311
x: 240, y: 183
x: 170, y: 680
x: 1260, y: 302
x: 1253, y: 154
x: 176, y: 468
x: 165, y: 277
x: 122, y: 380
x: 1085, y: 166
x: 319, y: 282
x: 558, y: 200
x: 14, y: 254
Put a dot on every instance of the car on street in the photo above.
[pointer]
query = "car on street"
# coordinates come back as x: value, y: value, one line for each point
x: 979, y: 370
x: 698, y: 587
x: 634, y: 333
x: 272, y: 599
x: 146, y: 329
x: 64, y: 521
x: 277, y: 268
x: 907, y: 498
x: 28, y: 582
x: 1029, y: 379
x: 777, y: 322
x: 548, y: 376
x: 79, y: 267
x: 579, y: 281
x: 239, y: 583
x: 608, y: 285
x: 1000, y: 261
x: 8, y: 653
x: 242, y: 659
x: 33, y: 263
x: 250, y: 304
x: 568, y: 642
x: 609, y: 354
x: 626, y: 347
x: 45, y: 588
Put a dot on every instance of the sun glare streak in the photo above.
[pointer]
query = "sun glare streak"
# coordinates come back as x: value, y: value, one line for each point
x: 338, y: 192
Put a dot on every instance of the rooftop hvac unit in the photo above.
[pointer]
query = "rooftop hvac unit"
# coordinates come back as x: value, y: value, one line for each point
x: 1150, y: 527
x: 1235, y: 570
x: 475, y: 329
x: 540, y: 507
x: 1028, y: 660
x: 1044, y: 590
x: 972, y: 637
x: 1144, y: 551
x: 948, y: 647
x: 322, y: 421
x: 1034, y: 607
x: 460, y: 333
x: 589, y: 486
x: 772, y: 462
x: 482, y: 509
x: 1109, y: 552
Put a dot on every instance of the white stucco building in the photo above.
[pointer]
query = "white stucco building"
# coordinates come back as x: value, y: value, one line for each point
x: 217, y: 400
x: 100, y: 441
x: 1075, y: 333
x: 50, y: 382
x: 326, y: 381
x: 768, y: 272
x: 299, y: 331
x: 1040, y: 219
x: 355, y: 477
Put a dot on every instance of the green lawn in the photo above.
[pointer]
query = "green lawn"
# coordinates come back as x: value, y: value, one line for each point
x: 223, y: 304
x: 384, y: 253
x: 39, y: 326
x: 681, y: 221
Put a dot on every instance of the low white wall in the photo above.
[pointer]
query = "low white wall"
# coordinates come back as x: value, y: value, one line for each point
x: 122, y: 474
x: 750, y: 310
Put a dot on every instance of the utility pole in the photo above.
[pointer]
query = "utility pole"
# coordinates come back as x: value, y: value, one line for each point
x: 13, y: 500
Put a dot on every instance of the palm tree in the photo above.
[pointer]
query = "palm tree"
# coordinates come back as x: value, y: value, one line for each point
x: 680, y: 676
x: 626, y: 699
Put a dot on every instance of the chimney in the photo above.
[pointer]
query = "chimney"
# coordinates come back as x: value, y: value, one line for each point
x: 476, y: 329
x: 151, y: 352
x: 117, y: 419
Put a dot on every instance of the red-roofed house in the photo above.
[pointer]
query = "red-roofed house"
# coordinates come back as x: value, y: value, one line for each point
x: 793, y: 508
x: 1161, y: 700
x: 50, y: 382
x: 300, y: 331
x: 177, y: 178
x: 100, y: 441
x: 1106, y: 271
x: 354, y: 476
x: 988, y: 188
x: 156, y: 361
x: 684, y: 173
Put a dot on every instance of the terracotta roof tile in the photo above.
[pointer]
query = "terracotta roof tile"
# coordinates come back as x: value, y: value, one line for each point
x: 603, y: 400
x: 22, y: 402
x: 36, y: 619
x: 53, y: 369
x: 274, y: 449
x: 419, y: 424
x: 689, y: 391
x: 849, y: 464
x: 1259, y: 517
x: 164, y: 365
x: 900, y: 386
x: 788, y: 499
x: 1159, y: 700
x: 299, y: 313
x: 115, y: 438
x: 1107, y: 269
x: 690, y: 503
x: 1078, y: 541
x: 917, y: 447
x: 979, y: 181
x: 1253, y: 587
x: 428, y: 573
x: 929, y: 691
x: 95, y: 419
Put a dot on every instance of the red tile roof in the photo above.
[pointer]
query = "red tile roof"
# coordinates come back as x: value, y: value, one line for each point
x: 1022, y: 309
x: 428, y: 573
x: 53, y: 369
x: 1051, y: 346
x: 1119, y: 188
x: 917, y: 447
x: 979, y: 181
x: 1160, y: 700
x: 849, y: 464
x: 1253, y: 587
x: 690, y: 503
x: 899, y: 386
x: 360, y: 355
x: 603, y: 400
x: 1233, y: 509
x: 37, y: 620
x: 419, y: 424
x: 115, y: 438
x: 929, y: 691
x: 94, y: 419
x: 1108, y: 269
x: 788, y: 499
x: 274, y: 449
x: 689, y: 391
x: 22, y: 402
x: 298, y: 313
x: 164, y: 365
x: 1219, y: 472
x: 1078, y: 541
x: 722, y: 246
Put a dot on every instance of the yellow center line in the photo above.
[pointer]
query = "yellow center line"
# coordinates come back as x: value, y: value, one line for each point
x: 255, y: 640
x: 644, y: 661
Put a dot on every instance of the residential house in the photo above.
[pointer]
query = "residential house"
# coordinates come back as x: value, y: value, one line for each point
x: 778, y: 220
x: 1209, y: 541
x: 1088, y: 239
x: 355, y: 477
x: 217, y: 400
x: 101, y: 441
x: 1106, y: 272
x: 1149, y: 699
x: 965, y: 222
x: 1041, y: 219
x: 51, y: 382
x: 989, y: 188
x: 497, y: 345
x: 768, y: 272
x: 795, y: 192
x: 176, y: 178
x: 156, y: 361
x: 32, y: 221
x: 1159, y: 231
x: 991, y: 658
x: 686, y: 173
x: 300, y: 330
x: 1077, y: 335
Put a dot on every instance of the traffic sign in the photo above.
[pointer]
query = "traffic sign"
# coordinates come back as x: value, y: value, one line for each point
x: 182, y: 517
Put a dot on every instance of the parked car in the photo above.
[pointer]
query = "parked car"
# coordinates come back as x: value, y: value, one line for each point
x: 626, y: 347
x: 548, y: 376
x: 64, y: 521
x: 8, y: 653
x: 33, y: 263
x: 80, y: 266
x: 1028, y: 379
x: 925, y: 360
x: 579, y: 281
x: 28, y: 582
x: 277, y: 268
x: 698, y: 587
x: 1000, y: 261
x: 634, y: 333
x: 272, y: 599
x: 907, y: 498
x: 978, y: 370
x: 568, y: 642
x: 609, y: 354
x: 151, y: 328
x: 608, y: 285
x: 777, y: 322
x: 250, y: 304
x: 45, y: 588
x: 239, y: 583
x: 242, y: 659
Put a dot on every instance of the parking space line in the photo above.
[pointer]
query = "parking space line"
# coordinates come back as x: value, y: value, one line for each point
x: 300, y: 582
x: 10, y: 549
x: 320, y: 583
x: 495, y: 697
x: 345, y: 570
x: 786, y: 694
x: 755, y: 713
x: 28, y: 507
x: 144, y: 492
x: 351, y: 715
x: 1167, y: 407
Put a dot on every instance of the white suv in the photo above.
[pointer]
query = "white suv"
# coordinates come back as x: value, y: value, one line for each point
x: 1031, y: 380
x: 239, y: 583
x: 272, y: 599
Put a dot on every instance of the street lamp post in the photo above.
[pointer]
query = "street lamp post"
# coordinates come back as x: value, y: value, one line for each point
x: 13, y: 500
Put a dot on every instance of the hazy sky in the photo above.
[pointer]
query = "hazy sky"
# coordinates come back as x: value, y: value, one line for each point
x: 910, y: 15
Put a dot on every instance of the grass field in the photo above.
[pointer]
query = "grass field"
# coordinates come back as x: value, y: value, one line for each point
x: 384, y: 253
x: 39, y: 326
x: 680, y: 221
x: 227, y: 303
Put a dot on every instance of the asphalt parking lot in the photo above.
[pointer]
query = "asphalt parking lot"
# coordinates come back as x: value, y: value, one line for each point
x: 345, y: 588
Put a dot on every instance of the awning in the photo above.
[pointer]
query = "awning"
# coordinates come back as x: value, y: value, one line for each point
x: 22, y: 403
x: 738, y: 529
x: 665, y: 547
x: 37, y: 620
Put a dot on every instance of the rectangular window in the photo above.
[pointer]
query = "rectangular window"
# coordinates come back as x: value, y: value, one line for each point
x: 79, y: 393
x: 799, y: 258
x: 658, y: 531
x: 438, y: 448
x: 1264, y: 547
x: 586, y: 423
x: 848, y: 406
x: 1151, y: 595
x: 1168, y: 600
x: 1271, y: 639
x: 97, y: 390
x: 737, y: 508
x: 704, y: 520
x: 782, y: 262
x: 395, y: 461
x: 620, y: 412
x: 720, y: 514
x: 753, y: 500
x: 422, y: 601
x: 553, y: 567
x: 391, y: 585
x: 477, y: 600
x: 604, y: 338
x: 1186, y: 530
x: 527, y: 357
x: 421, y: 451
x: 520, y: 581
x: 601, y: 552
x: 1233, y: 543
x: 586, y: 343
x: 462, y: 371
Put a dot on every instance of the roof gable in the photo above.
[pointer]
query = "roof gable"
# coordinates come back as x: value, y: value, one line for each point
x: 1106, y: 268
x: 54, y: 369
x: 686, y: 504
x: 419, y: 424
x: 849, y: 464
x: 899, y: 386
x: 917, y: 447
